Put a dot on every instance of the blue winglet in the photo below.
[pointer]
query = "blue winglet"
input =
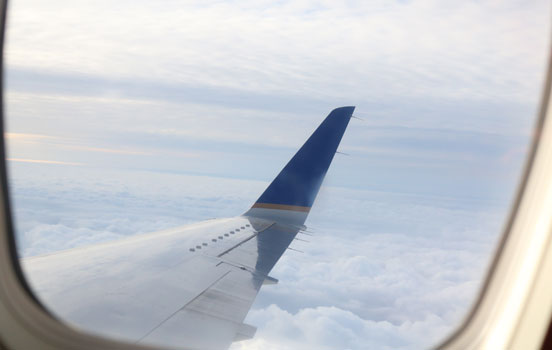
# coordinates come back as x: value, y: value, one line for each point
x: 297, y: 185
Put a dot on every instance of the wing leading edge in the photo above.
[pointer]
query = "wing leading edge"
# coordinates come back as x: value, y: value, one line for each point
x: 191, y: 286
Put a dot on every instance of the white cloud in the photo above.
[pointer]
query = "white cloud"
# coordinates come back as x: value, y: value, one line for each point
x: 182, y: 80
x: 60, y: 207
x: 335, y: 328
x: 408, y: 289
x: 245, y: 143
x: 357, y: 50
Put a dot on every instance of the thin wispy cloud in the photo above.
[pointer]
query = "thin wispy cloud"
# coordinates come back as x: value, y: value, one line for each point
x: 41, y: 161
x: 13, y: 136
x: 108, y: 150
x: 407, y: 49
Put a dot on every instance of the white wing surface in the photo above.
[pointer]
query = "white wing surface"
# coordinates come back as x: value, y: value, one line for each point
x: 192, y: 286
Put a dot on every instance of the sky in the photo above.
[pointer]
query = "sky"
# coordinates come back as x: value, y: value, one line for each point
x: 135, y: 116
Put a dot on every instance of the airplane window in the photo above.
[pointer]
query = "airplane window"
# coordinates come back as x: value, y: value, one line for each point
x: 126, y: 119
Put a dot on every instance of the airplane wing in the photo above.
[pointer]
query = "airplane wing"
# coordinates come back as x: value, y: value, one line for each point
x: 192, y: 286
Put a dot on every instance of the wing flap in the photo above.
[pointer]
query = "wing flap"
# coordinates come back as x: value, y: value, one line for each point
x: 214, y: 319
x: 245, y: 332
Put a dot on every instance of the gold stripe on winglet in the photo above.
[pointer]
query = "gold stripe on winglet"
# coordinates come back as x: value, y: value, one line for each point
x: 281, y: 207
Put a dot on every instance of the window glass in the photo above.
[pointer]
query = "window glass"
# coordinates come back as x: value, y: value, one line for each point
x: 131, y: 117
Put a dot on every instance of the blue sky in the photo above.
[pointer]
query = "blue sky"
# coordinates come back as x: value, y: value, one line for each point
x: 136, y: 116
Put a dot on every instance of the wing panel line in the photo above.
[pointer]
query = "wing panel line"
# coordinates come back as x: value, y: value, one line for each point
x: 183, y: 307
x: 245, y: 240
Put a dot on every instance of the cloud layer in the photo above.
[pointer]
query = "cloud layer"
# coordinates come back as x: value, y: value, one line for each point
x: 355, y: 49
x: 383, y: 270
